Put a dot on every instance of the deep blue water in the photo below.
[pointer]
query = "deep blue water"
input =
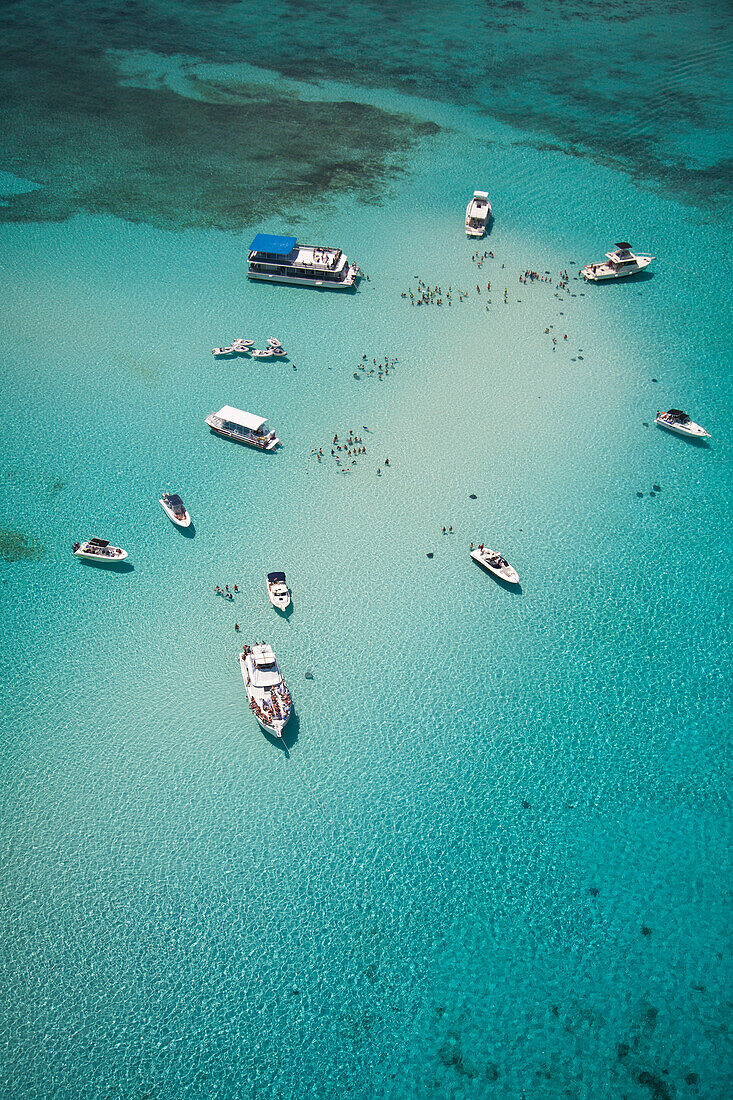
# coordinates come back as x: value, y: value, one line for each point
x: 495, y: 860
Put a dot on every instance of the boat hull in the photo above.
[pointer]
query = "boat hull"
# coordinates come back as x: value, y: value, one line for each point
x: 323, y: 284
x: 507, y: 573
x: 691, y: 430
x: 185, y: 522
x: 102, y: 559
x: 606, y: 276
x: 269, y: 446
x: 276, y: 728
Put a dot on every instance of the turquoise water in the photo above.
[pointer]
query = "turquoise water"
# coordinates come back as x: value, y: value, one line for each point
x: 494, y: 860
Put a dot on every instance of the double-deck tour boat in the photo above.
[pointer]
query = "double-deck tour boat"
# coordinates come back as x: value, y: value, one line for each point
x: 175, y: 509
x: 242, y: 427
x: 283, y: 260
x: 495, y: 564
x: 619, y: 263
x: 478, y: 213
x: 674, y: 420
x: 278, y: 591
x: 99, y: 550
x: 269, y: 698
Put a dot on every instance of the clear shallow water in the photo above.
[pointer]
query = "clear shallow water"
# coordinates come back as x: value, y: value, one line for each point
x: 489, y: 797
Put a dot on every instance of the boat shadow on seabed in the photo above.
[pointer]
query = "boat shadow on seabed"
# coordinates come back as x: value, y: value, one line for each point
x: 109, y: 566
x: 290, y: 734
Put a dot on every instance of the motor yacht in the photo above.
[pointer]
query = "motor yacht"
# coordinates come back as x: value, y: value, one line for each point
x: 242, y: 427
x: 278, y: 591
x: 282, y: 260
x: 497, y: 565
x: 269, y: 698
x: 99, y: 550
x: 674, y: 420
x: 478, y: 213
x: 175, y: 509
x: 619, y: 263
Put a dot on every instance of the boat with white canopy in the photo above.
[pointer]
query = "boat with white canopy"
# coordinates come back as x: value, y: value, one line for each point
x: 495, y: 564
x: 278, y: 591
x: 478, y: 213
x: 675, y: 420
x: 175, y: 509
x: 242, y: 427
x: 282, y: 260
x: 99, y: 550
x: 619, y: 263
x: 269, y: 698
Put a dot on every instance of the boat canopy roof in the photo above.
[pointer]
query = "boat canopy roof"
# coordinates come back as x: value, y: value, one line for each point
x: 481, y: 194
x: 173, y: 500
x: 243, y: 419
x: 263, y: 655
x: 678, y: 414
x: 276, y: 246
x: 273, y: 577
x: 98, y: 542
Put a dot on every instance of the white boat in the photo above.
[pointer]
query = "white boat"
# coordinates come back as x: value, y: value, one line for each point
x: 497, y: 565
x: 478, y: 213
x: 242, y: 427
x: 269, y: 698
x: 674, y: 420
x: 243, y: 344
x: 282, y: 260
x: 175, y: 509
x: 271, y: 352
x: 218, y: 352
x: 99, y: 550
x: 273, y: 342
x: 618, y: 264
x: 277, y: 590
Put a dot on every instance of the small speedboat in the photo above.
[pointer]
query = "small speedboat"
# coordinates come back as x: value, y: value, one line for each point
x: 478, y: 213
x: 278, y: 591
x: 269, y: 698
x: 218, y: 352
x: 268, y: 353
x: 99, y: 550
x: 495, y: 564
x: 674, y: 420
x: 273, y: 342
x: 175, y: 509
x: 617, y: 264
x: 243, y: 343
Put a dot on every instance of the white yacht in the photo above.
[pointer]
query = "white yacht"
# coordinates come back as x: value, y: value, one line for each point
x: 269, y: 698
x: 283, y: 260
x: 99, y: 550
x: 175, y: 509
x: 478, y: 213
x: 242, y: 427
x: 674, y: 420
x: 619, y: 263
x: 497, y: 565
x: 278, y: 591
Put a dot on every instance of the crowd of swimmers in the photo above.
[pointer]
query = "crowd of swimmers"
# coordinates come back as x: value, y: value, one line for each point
x: 226, y: 592
x: 349, y: 451
x: 380, y: 369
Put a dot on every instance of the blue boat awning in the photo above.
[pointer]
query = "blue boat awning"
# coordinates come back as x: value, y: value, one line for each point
x: 276, y: 246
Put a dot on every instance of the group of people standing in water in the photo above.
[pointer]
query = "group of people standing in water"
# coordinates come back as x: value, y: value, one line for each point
x: 380, y: 369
